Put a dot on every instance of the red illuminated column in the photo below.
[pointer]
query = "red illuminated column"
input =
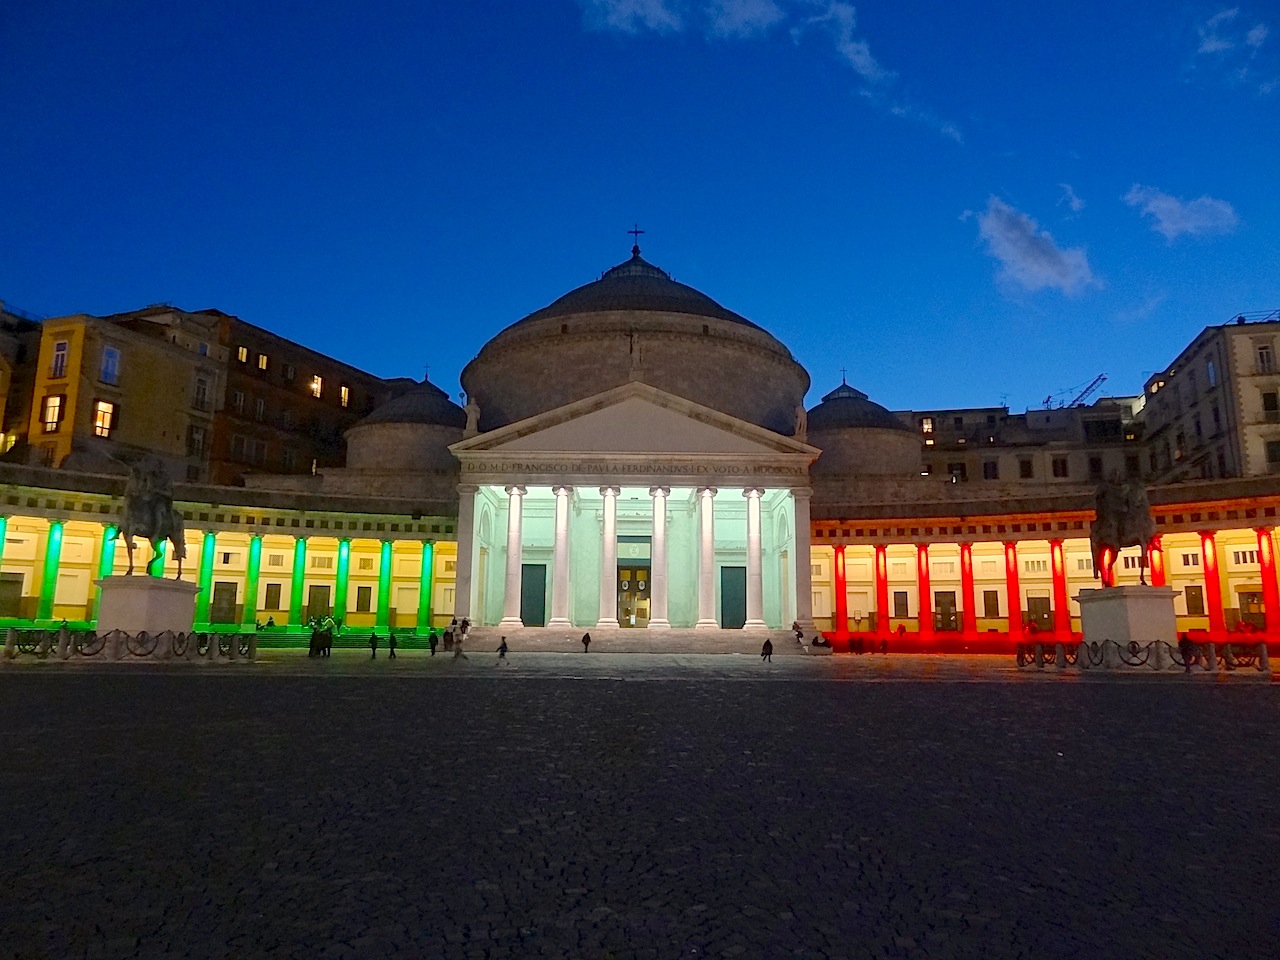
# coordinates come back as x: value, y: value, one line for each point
x: 969, y: 622
x: 1212, y: 585
x: 882, y: 589
x: 1013, y: 590
x: 1155, y: 560
x: 841, y: 625
x: 1061, y: 601
x: 1270, y: 588
x: 926, y: 604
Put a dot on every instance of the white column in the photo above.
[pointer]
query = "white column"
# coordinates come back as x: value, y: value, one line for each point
x: 804, y: 570
x: 511, y: 593
x: 658, y: 561
x: 466, y: 551
x: 755, y: 582
x: 706, y: 560
x: 560, y: 561
x: 609, y: 560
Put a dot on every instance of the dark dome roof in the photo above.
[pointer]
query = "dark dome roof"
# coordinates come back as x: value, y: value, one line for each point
x: 846, y: 407
x: 637, y: 285
x: 422, y: 403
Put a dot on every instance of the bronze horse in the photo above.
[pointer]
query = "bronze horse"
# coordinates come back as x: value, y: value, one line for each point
x: 149, y: 513
x: 1123, y: 520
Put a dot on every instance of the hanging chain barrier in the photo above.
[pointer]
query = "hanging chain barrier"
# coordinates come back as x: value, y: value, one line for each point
x: 1159, y: 655
x: 119, y: 645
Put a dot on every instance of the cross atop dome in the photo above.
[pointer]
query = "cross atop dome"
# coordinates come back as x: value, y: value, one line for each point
x: 635, y: 232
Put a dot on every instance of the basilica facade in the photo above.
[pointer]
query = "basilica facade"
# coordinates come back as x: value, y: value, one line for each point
x: 636, y: 456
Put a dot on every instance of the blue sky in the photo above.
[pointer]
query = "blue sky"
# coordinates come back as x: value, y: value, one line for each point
x: 962, y: 205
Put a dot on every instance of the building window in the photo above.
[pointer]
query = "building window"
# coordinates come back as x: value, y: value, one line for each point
x: 289, y: 371
x: 1195, y: 601
x: 258, y: 452
x: 230, y: 558
x: 1273, y: 453
x: 195, y: 441
x: 1084, y: 564
x: 1222, y: 464
x: 1191, y: 559
x: 926, y: 469
x: 322, y: 563
x: 1060, y: 467
x: 1243, y: 558
x: 1211, y: 373
x: 1132, y: 466
x: 59, y: 368
x: 1217, y: 420
x: 1266, y: 359
x: 272, y: 599
x: 926, y: 424
x: 958, y: 471
x: 900, y: 603
x: 203, y: 349
x: 1035, y: 566
x: 202, y: 394
x: 263, y: 362
x: 958, y: 423
x: 259, y: 409
x: 990, y: 470
x: 242, y: 354
x: 110, y: 372
x: 1026, y: 469
x: 275, y: 560
x: 288, y: 459
x: 364, y: 599
x: 1271, y: 406
x: 344, y: 393
x: 238, y: 447
x: 317, y: 386
x: 1095, y: 468
x: 366, y: 563
x: 237, y: 401
x: 1131, y: 562
x: 990, y: 603
x: 51, y: 414
x: 104, y: 418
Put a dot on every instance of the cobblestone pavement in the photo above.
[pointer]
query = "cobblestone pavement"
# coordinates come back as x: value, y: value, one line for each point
x: 645, y: 806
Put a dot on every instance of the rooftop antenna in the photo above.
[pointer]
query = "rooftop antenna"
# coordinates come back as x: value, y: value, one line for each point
x: 635, y: 232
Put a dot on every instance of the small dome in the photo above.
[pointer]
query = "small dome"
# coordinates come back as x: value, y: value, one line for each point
x: 422, y: 403
x: 636, y: 285
x: 845, y: 407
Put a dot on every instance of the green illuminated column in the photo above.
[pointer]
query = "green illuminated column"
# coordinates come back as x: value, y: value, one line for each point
x: 249, y: 618
x: 106, y: 560
x: 295, y: 586
x: 4, y: 530
x: 156, y: 567
x: 426, y: 586
x: 49, y: 579
x: 384, y: 586
x: 205, y: 582
x: 340, y: 587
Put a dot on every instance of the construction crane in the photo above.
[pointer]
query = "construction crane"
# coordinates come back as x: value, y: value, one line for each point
x: 1088, y: 391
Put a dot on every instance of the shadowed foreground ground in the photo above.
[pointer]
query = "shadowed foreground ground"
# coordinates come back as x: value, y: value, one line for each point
x: 688, y: 810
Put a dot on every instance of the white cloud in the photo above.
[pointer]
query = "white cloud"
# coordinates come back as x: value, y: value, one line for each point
x: 1028, y: 255
x: 840, y: 20
x: 1211, y: 41
x: 1172, y: 216
x: 632, y: 16
x: 738, y: 19
x: 1232, y: 51
x: 1257, y: 36
x: 1069, y: 197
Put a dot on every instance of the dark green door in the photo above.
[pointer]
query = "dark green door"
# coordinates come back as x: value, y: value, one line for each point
x: 223, y: 607
x: 945, y: 615
x: 533, y: 594
x: 733, y: 597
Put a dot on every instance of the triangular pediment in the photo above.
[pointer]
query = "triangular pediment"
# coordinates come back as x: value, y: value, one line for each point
x: 635, y: 418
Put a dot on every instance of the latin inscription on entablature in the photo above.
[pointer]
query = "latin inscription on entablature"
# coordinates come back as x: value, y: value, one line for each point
x: 613, y: 468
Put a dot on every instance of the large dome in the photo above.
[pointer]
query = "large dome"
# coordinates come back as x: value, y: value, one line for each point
x: 858, y: 436
x: 636, y: 323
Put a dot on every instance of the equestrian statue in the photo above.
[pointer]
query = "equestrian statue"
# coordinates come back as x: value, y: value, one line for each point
x: 149, y: 513
x: 1123, y: 520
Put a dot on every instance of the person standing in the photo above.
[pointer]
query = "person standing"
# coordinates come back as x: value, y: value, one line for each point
x: 502, y: 650
x: 457, y: 648
x: 586, y: 643
x: 449, y: 633
x: 373, y: 646
x: 432, y: 640
x: 766, y: 652
x: 391, y: 644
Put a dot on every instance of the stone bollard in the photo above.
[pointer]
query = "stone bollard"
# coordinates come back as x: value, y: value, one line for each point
x: 253, y: 648
x: 1228, y: 656
x: 1082, y: 656
x: 10, y: 643
x: 1264, y: 658
x: 1110, y: 655
x: 164, y: 646
x: 1060, y: 656
x: 1159, y: 659
x: 64, y: 643
x: 46, y: 644
x: 1211, y: 656
x: 211, y: 651
x: 112, y: 645
x: 1039, y: 657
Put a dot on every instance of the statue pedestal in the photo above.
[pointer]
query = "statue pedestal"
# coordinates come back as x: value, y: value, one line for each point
x: 1124, y: 614
x: 135, y: 604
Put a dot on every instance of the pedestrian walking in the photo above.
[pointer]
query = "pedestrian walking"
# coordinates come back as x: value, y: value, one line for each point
x: 586, y: 643
x: 432, y: 640
x: 450, y: 632
x: 373, y: 646
x: 391, y: 644
x: 457, y: 648
x: 766, y: 652
x: 464, y: 629
x: 502, y: 650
